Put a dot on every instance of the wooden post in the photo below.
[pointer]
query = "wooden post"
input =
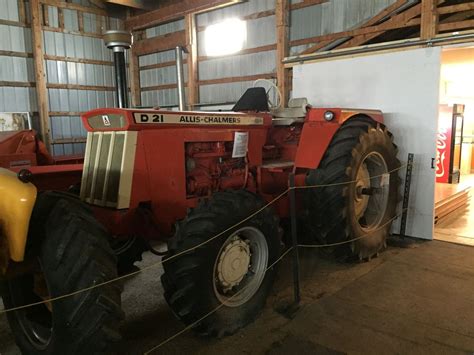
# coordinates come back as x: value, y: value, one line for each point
x: 282, y: 14
x: 429, y: 19
x: 40, y: 75
x: 60, y: 18
x: 193, y: 72
x: 45, y: 16
x: 134, y: 66
x: 80, y: 21
x: 21, y: 12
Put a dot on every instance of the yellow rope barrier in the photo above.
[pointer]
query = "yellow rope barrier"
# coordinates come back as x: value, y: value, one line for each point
x: 189, y: 327
x: 215, y: 309
x: 153, y: 265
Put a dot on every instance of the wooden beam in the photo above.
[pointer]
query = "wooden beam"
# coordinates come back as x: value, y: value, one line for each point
x: 62, y: 30
x: 269, y: 47
x: 192, y: 61
x: 136, y: 4
x: 80, y: 21
x: 400, y: 18
x: 73, y: 6
x: 235, y: 79
x: 80, y: 87
x: 174, y: 11
x: 99, y: 24
x: 15, y: 54
x: 13, y: 23
x: 60, y: 19
x: 98, y: 3
x: 135, y: 77
x: 45, y: 15
x: 226, y: 80
x: 388, y: 25
x: 22, y: 12
x: 18, y: 84
x: 307, y: 3
x: 457, y: 25
x: 282, y: 14
x: 429, y: 19
x: 77, y: 60
x: 160, y: 43
x: 161, y: 65
x: 161, y: 87
x: 455, y: 8
x: 65, y: 113
x: 40, y: 75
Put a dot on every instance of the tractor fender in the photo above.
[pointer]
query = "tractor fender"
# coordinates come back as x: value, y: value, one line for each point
x: 317, y: 134
x: 16, y: 206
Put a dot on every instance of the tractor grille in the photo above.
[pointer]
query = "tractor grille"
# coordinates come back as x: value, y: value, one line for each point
x: 108, y: 168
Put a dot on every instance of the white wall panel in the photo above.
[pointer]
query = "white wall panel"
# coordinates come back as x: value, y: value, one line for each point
x: 405, y: 86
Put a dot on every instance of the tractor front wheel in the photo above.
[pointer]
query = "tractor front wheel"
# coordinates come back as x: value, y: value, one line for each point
x: 72, y: 253
x: 230, y: 274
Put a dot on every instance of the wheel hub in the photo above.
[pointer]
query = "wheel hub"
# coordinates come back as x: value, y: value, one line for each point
x: 234, y: 263
x: 371, y: 191
x: 363, y: 183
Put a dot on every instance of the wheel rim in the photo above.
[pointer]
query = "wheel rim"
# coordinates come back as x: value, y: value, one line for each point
x: 240, y: 266
x: 372, y: 191
x: 37, y: 321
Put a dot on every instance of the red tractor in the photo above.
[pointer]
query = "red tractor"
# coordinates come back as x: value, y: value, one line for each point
x: 23, y: 149
x: 185, y: 178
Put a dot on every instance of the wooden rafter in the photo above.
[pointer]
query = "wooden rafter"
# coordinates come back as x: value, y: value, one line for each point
x: 403, y: 19
x: 374, y: 20
x: 174, y: 11
x: 73, y: 6
x: 428, y: 16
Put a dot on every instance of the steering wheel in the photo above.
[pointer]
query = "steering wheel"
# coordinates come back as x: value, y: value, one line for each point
x: 271, y: 105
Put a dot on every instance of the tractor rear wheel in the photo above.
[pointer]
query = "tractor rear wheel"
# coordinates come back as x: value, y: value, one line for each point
x: 72, y: 253
x: 361, y: 151
x: 230, y: 271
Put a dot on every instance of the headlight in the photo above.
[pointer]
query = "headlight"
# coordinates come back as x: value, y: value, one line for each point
x: 329, y: 115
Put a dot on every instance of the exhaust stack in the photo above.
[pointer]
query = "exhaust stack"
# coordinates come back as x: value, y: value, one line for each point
x: 119, y: 41
x: 180, y: 77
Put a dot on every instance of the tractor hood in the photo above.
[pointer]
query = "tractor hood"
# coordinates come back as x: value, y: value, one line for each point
x: 112, y: 119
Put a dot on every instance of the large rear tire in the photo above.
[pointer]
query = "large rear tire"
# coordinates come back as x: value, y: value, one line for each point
x: 73, y: 253
x: 231, y: 269
x: 363, y: 151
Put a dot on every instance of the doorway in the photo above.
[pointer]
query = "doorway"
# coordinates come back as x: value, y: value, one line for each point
x: 454, y: 206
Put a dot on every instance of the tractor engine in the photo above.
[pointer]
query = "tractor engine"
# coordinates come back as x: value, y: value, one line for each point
x: 210, y: 167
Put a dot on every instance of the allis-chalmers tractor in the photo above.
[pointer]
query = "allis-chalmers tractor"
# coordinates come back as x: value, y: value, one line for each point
x: 185, y: 177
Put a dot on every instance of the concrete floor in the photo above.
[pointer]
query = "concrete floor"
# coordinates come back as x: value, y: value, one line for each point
x: 414, y: 300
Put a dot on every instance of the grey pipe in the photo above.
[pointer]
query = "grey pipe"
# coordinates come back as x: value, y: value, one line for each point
x: 382, y: 47
x: 180, y: 78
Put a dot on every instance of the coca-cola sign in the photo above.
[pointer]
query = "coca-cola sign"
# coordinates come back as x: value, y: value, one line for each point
x: 443, y: 146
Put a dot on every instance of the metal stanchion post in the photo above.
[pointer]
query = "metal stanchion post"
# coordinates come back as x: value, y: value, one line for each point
x: 296, y: 259
x: 406, y: 195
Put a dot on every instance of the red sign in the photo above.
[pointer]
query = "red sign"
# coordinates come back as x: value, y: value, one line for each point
x: 443, y: 145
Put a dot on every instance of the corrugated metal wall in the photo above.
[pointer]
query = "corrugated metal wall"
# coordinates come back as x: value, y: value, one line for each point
x: 260, y: 32
x: 259, y: 57
x: 158, y: 80
x: 93, y: 83
x: 13, y: 68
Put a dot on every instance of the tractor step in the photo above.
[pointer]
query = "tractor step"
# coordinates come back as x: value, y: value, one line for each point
x: 278, y: 164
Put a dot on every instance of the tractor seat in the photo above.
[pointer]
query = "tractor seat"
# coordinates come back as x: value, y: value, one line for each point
x: 296, y: 112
